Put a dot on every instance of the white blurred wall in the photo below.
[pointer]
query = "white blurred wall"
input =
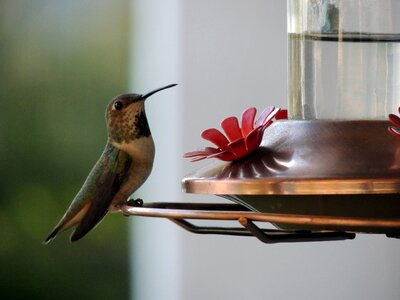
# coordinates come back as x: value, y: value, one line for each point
x: 227, y: 55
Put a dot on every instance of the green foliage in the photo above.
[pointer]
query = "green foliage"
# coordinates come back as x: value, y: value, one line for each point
x: 60, y: 64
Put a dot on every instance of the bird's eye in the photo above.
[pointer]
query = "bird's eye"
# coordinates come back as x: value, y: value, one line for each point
x: 118, y: 105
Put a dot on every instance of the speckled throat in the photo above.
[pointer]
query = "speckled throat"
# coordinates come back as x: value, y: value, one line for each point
x: 133, y: 125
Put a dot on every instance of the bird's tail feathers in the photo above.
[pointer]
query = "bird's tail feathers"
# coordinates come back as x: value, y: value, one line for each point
x: 52, y: 235
x: 66, y: 222
x: 88, y: 223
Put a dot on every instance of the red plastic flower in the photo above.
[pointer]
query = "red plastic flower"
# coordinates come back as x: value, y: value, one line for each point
x: 239, y: 141
x: 395, y: 120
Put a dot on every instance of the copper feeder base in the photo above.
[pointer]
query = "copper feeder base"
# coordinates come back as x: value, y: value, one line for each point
x: 313, y: 180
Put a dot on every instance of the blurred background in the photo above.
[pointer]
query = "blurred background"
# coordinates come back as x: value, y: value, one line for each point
x: 60, y: 64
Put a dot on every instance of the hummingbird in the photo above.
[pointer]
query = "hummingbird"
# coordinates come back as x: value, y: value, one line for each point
x: 122, y: 168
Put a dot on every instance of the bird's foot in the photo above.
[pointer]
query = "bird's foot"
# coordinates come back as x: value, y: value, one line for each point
x: 135, y: 202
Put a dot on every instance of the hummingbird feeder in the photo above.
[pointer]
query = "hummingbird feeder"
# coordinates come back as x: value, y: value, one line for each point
x: 332, y: 169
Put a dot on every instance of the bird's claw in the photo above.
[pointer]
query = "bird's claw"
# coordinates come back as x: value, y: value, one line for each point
x: 135, y: 202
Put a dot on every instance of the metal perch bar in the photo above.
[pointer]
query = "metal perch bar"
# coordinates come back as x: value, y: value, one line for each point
x: 179, y: 212
x: 211, y: 211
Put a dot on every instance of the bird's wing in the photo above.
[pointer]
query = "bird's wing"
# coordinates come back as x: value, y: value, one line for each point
x: 108, y: 184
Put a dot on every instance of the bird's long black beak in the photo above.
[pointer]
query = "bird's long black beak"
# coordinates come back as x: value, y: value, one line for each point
x: 157, y: 90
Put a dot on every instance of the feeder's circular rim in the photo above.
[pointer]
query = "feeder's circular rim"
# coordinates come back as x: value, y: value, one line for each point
x: 309, y: 157
x: 287, y: 186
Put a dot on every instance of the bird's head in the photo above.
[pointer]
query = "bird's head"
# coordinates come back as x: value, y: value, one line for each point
x: 126, y: 118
